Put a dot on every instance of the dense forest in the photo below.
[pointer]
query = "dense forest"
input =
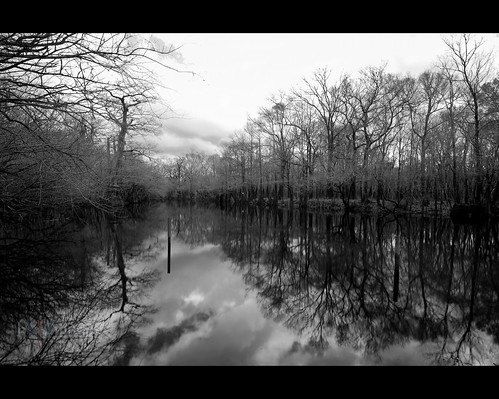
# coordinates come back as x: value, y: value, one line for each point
x: 376, y: 139
x: 72, y: 109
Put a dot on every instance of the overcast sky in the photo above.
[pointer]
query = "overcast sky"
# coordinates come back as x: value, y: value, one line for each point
x: 237, y: 73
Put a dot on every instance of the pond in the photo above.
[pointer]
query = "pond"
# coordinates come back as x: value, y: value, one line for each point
x: 249, y: 287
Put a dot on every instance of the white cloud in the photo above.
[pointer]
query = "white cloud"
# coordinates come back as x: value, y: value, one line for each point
x: 194, y: 298
x: 237, y: 73
x: 170, y: 143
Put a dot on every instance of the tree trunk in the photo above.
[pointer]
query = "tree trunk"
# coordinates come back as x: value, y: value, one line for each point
x: 455, y: 186
x: 478, y: 189
x: 423, y: 169
x: 118, y: 156
x: 329, y: 192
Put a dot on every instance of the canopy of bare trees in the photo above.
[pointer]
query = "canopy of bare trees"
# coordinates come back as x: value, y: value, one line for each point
x: 411, y: 142
x: 70, y: 106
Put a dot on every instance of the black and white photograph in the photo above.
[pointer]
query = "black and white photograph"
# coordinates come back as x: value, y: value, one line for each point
x: 249, y: 199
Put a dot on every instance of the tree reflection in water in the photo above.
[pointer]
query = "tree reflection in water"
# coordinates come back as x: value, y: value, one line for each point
x: 365, y: 282
x: 74, y: 294
x: 67, y: 296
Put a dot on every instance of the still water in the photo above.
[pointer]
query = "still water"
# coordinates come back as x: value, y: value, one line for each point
x: 249, y: 287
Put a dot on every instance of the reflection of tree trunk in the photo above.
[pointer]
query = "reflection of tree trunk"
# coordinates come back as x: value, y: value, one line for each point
x: 451, y: 270
x: 309, y: 232
x: 121, y: 265
x: 307, y: 250
x: 397, y: 265
x: 243, y: 229
x: 365, y: 267
x: 449, y: 290
x: 421, y: 272
x: 83, y: 264
x: 108, y: 250
x: 259, y: 238
x: 474, y: 274
x: 328, y: 243
x: 476, y: 258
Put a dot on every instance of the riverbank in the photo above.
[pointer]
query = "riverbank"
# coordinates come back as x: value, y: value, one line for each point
x: 369, y: 207
x: 459, y: 213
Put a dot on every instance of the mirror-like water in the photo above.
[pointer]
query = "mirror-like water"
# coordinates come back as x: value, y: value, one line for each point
x: 249, y: 287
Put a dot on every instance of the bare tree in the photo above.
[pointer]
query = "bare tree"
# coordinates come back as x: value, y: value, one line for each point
x: 424, y: 106
x: 56, y: 84
x: 324, y: 98
x: 473, y: 65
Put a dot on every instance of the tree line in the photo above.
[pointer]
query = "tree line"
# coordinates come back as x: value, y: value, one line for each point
x: 72, y: 106
x: 400, y: 141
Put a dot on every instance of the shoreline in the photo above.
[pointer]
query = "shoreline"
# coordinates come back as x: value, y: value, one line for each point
x: 371, y: 207
x: 458, y: 213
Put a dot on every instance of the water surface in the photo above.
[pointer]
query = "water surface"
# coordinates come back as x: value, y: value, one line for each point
x: 250, y: 287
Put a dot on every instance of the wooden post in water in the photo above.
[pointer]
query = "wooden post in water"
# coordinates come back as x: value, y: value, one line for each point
x: 169, y: 245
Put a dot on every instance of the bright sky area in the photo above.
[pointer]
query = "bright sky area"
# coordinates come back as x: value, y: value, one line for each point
x: 236, y: 73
